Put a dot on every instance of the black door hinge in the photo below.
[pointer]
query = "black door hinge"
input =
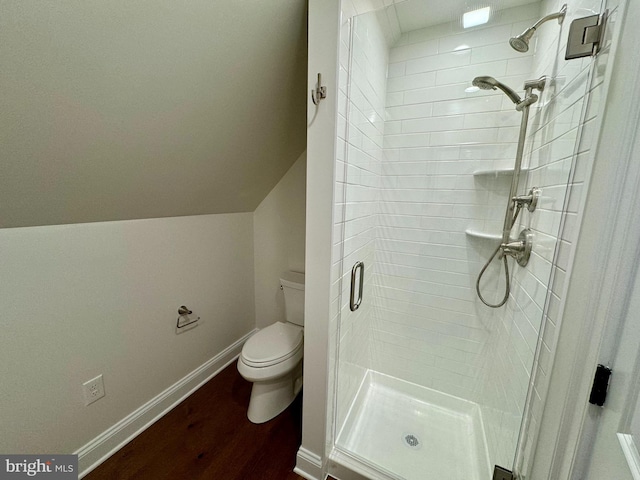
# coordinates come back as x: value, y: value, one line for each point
x: 600, y: 385
x: 500, y: 473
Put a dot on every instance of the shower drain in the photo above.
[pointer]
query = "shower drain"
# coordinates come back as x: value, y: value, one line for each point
x: 411, y: 441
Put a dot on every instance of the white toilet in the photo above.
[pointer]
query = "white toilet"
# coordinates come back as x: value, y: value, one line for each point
x: 272, y: 357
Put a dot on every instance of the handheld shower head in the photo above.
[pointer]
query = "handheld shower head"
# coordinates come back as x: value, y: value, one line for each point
x: 520, y: 43
x: 485, y: 83
x: 490, y: 83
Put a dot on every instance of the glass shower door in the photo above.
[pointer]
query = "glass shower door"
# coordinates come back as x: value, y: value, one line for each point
x: 430, y: 382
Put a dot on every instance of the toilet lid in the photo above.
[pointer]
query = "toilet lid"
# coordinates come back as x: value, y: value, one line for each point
x: 272, y: 344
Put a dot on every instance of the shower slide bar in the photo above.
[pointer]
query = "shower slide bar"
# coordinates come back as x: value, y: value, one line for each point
x: 529, y: 99
x: 519, y: 249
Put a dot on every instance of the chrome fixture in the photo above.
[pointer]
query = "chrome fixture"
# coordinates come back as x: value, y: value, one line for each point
x: 490, y: 83
x: 521, y: 248
x: 184, y: 319
x: 586, y: 35
x: 520, y: 42
x: 530, y: 200
x: 353, y: 303
x: 320, y: 92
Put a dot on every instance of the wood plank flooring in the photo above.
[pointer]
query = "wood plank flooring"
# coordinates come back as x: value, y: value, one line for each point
x: 208, y: 436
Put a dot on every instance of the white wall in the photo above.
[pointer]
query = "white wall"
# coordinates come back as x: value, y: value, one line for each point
x: 102, y: 298
x: 154, y: 122
x: 432, y: 329
x: 122, y: 110
x: 278, y: 241
x: 324, y: 21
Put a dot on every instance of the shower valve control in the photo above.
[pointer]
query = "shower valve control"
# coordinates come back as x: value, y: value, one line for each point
x: 521, y: 248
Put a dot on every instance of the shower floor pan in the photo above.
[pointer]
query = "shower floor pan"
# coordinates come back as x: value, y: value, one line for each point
x: 414, y: 433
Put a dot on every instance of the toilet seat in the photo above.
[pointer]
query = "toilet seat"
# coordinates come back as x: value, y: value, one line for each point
x: 272, y: 345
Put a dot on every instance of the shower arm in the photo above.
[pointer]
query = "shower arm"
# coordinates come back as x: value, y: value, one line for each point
x: 552, y: 16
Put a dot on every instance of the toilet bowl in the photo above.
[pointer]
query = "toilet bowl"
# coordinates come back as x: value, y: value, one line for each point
x: 272, y: 357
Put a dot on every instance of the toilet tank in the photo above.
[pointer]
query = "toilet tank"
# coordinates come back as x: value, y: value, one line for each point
x: 293, y: 288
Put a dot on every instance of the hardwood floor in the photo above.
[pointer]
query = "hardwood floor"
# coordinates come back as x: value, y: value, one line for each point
x: 208, y: 436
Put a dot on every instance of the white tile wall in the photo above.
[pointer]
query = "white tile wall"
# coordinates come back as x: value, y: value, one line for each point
x: 436, y: 136
x: 363, y: 94
x: 558, y: 153
x: 410, y: 140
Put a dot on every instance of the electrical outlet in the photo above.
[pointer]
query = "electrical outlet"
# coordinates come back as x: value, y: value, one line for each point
x: 93, y: 390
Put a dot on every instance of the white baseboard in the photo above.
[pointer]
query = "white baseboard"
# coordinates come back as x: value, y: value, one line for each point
x: 630, y: 454
x: 114, y: 438
x: 308, y: 465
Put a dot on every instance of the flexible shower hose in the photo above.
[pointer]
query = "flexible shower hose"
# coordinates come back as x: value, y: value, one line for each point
x: 507, y: 289
x: 506, y: 275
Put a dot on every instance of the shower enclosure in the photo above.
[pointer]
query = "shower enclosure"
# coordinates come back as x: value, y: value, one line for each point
x: 429, y: 382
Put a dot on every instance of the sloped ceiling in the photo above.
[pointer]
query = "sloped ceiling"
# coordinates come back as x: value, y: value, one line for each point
x: 120, y: 109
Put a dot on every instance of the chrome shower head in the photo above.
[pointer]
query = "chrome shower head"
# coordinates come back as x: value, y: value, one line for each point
x: 520, y: 43
x: 490, y: 83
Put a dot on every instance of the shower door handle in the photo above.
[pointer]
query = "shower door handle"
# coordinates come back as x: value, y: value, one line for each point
x: 353, y: 303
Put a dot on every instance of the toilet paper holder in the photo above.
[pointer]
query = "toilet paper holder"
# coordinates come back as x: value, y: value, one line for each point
x: 185, y: 312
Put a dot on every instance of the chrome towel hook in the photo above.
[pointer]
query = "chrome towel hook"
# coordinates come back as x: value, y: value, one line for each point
x: 320, y: 91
